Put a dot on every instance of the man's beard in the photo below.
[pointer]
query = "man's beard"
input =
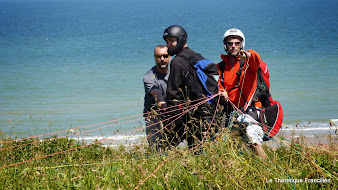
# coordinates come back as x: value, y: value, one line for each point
x: 164, y: 66
x: 233, y: 54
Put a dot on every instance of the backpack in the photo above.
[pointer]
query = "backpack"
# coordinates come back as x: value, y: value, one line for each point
x: 271, y: 114
x: 205, y: 71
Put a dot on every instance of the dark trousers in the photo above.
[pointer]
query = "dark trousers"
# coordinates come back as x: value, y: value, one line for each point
x: 190, y: 128
x: 153, y: 131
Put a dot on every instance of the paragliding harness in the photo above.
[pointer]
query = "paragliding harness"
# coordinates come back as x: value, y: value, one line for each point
x: 205, y: 71
x: 271, y: 113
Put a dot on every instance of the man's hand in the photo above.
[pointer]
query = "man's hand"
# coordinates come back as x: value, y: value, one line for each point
x: 224, y: 95
x: 244, y: 54
x: 156, y: 93
x: 162, y: 104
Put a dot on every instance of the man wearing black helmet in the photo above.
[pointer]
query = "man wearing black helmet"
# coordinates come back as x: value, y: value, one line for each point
x: 183, y: 85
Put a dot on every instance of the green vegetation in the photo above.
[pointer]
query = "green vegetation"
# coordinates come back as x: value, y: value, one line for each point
x: 221, y: 164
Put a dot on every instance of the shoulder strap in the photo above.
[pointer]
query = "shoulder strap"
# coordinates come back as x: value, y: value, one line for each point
x: 190, y: 57
x: 221, y: 66
x: 201, y: 67
x: 239, y: 73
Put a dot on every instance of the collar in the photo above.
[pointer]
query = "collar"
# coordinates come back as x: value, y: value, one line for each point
x: 225, y: 57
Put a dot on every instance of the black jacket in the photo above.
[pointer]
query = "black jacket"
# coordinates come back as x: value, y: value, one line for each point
x: 183, y: 82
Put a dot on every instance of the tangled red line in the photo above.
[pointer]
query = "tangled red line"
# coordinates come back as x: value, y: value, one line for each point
x: 5, y: 142
x: 191, y: 149
x: 39, y: 141
x: 181, y: 114
x: 100, y: 141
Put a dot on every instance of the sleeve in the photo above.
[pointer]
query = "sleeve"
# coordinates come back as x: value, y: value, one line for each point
x: 175, y: 82
x: 254, y: 63
x: 254, y: 60
x: 220, y: 85
x: 149, y: 83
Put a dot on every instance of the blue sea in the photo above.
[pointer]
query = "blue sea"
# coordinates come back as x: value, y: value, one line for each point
x: 67, y: 64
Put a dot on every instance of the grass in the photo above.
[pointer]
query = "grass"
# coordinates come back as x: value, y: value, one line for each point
x: 222, y: 164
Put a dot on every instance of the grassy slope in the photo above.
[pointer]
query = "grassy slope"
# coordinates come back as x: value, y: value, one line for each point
x: 223, y: 164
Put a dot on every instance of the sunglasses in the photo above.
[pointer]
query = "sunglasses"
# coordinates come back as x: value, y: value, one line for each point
x: 159, y: 56
x: 236, y: 43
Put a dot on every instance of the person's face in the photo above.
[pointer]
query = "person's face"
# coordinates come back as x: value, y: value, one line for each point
x: 234, y: 46
x: 162, y: 58
x: 171, y: 42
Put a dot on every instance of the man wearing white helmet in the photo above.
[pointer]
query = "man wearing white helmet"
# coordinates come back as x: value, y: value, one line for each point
x: 238, y: 81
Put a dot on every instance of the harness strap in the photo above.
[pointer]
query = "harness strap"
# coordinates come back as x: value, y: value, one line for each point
x: 262, y: 90
x: 191, y: 59
x: 238, y: 73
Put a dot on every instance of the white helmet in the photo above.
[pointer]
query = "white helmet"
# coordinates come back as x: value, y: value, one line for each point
x: 233, y: 32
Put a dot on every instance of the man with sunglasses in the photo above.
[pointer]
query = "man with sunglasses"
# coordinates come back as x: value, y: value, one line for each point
x: 155, y: 86
x: 238, y: 81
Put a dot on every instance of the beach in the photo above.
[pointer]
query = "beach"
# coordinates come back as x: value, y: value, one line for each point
x: 320, y: 137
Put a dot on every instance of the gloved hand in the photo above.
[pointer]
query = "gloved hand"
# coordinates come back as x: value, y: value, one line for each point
x: 244, y: 54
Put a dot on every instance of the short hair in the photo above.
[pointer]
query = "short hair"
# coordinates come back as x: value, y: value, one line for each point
x: 160, y: 46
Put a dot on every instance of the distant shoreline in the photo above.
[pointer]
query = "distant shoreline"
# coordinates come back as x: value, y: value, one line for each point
x: 318, y: 138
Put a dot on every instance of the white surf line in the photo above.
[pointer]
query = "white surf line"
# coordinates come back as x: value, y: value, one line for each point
x: 308, y: 129
x: 110, y: 137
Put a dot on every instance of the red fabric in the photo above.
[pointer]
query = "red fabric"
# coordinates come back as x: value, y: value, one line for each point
x: 273, y: 130
x: 248, y: 82
x: 279, y: 119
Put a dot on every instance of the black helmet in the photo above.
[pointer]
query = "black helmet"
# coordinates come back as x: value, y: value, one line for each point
x: 180, y: 34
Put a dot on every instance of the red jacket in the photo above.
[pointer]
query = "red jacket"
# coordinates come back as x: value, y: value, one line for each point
x: 248, y: 81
